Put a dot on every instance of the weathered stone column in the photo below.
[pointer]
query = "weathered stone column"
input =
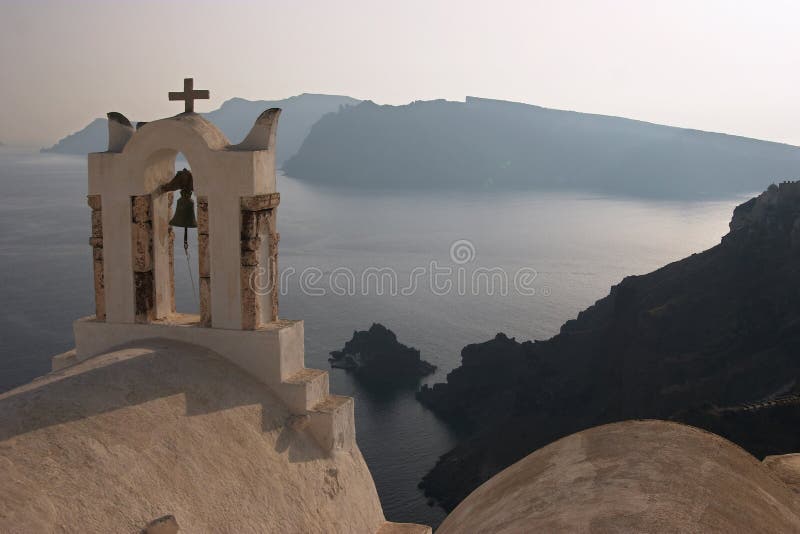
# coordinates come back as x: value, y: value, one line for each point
x: 259, y: 260
x: 96, y: 241
x: 274, y: 238
x: 142, y: 253
x: 204, y: 262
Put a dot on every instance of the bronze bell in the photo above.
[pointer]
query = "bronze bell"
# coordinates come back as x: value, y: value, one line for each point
x: 184, y: 211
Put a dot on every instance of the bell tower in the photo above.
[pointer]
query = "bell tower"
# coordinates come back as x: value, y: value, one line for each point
x: 131, y: 191
x: 131, y: 188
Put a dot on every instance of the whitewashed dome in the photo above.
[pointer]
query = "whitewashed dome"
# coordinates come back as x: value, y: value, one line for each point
x: 120, y: 439
x: 635, y: 476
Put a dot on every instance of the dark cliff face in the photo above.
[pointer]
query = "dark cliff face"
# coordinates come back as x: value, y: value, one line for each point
x: 714, y: 330
x: 377, y: 358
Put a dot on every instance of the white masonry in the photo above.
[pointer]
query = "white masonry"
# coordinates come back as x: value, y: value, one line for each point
x: 237, y: 202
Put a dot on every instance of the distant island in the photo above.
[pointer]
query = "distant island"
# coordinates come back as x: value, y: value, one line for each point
x: 235, y: 118
x: 375, y: 356
x: 492, y: 145
x: 711, y: 340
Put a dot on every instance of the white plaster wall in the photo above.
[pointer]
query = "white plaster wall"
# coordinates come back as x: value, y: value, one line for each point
x: 168, y: 428
x: 271, y: 354
x: 221, y: 173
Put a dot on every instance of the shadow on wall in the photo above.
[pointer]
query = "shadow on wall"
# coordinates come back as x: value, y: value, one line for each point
x: 149, y: 371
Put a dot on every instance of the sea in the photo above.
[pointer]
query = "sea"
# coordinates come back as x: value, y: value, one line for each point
x: 441, y: 269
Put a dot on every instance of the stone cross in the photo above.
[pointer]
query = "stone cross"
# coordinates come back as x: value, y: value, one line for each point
x: 189, y: 94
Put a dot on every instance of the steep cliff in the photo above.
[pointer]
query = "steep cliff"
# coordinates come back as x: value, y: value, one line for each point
x: 717, y: 329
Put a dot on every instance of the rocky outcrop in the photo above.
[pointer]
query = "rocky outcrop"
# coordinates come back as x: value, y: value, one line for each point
x: 375, y: 356
x: 719, y: 328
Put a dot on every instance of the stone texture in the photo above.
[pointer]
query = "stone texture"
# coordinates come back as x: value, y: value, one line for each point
x: 251, y: 307
x: 99, y: 288
x: 257, y: 231
x: 250, y: 258
x: 249, y: 224
x: 202, y: 215
x: 94, y: 202
x: 275, y: 238
x: 205, y: 301
x: 251, y: 243
x: 144, y: 297
x: 142, y: 242
x: 142, y: 208
x: 203, y: 260
x: 96, y: 242
x: 261, y: 202
x: 97, y: 223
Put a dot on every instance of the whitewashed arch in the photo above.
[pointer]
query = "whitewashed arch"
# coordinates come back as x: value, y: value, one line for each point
x: 139, y: 161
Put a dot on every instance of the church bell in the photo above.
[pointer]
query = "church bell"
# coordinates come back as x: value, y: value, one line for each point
x: 184, y: 212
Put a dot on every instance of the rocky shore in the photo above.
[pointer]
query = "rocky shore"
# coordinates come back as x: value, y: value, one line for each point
x: 717, y: 329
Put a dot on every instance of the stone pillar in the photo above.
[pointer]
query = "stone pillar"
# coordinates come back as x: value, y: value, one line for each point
x: 204, y: 261
x: 259, y: 260
x: 142, y: 254
x: 96, y: 241
x: 274, y: 238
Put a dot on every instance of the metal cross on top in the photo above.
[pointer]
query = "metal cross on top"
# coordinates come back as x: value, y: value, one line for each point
x: 189, y: 94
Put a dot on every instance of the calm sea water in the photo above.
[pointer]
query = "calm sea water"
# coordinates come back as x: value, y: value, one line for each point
x: 578, y: 246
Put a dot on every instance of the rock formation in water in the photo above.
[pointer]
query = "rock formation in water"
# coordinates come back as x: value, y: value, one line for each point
x: 699, y: 340
x: 495, y: 145
x: 375, y: 356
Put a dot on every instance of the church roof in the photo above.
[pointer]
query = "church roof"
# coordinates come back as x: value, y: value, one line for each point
x: 635, y: 476
x: 159, y: 428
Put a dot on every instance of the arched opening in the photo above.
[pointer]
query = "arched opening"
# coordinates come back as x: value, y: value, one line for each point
x: 186, y: 266
x: 166, y: 277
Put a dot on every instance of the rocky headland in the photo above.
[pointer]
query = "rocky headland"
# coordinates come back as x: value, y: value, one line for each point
x: 484, y: 144
x: 375, y: 356
x: 711, y: 340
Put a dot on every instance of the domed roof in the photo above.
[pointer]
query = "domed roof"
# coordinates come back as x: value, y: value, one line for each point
x: 635, y: 476
x: 116, y: 441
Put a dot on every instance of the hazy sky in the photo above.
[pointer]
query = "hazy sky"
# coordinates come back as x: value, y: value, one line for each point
x: 730, y: 66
